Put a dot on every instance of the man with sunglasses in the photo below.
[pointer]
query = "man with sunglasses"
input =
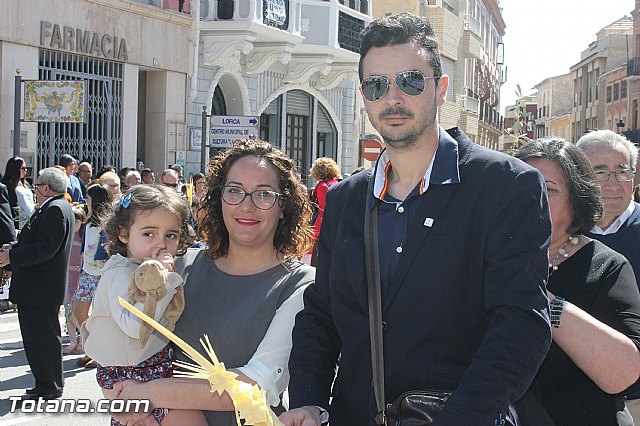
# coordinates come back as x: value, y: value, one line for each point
x: 614, y: 160
x: 463, y: 233
x: 170, y: 178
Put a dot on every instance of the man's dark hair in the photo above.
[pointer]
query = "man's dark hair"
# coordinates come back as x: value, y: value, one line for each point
x: 584, y: 189
x: 66, y: 160
x: 401, y: 29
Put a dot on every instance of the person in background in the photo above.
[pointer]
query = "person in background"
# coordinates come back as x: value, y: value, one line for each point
x: 133, y: 178
x: 94, y: 255
x: 75, y: 264
x: 40, y: 267
x: 111, y: 180
x: 463, y: 238
x: 19, y: 193
x: 245, y: 289
x: 594, y: 298
x: 170, y: 178
x: 148, y: 177
x: 73, y: 183
x: 614, y: 159
x: 326, y: 172
x: 104, y: 169
x: 636, y: 194
x: 139, y: 165
x: 84, y: 174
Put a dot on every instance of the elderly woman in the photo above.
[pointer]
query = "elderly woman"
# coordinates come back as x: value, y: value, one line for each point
x: 594, y: 303
x: 246, y: 288
x: 326, y: 172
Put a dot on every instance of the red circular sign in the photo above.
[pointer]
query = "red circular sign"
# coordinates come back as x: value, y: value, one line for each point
x: 371, y: 149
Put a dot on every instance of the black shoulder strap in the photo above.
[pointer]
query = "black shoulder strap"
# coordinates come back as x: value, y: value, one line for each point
x: 374, y: 299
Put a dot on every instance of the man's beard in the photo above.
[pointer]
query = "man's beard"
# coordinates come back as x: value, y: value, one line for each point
x: 409, y: 139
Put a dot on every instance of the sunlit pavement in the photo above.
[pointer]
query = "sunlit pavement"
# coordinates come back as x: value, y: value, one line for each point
x: 15, y: 377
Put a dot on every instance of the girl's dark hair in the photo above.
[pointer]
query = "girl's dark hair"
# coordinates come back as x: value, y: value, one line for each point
x: 293, y: 234
x: 197, y: 176
x: 140, y: 198
x: 101, y: 203
x: 584, y: 189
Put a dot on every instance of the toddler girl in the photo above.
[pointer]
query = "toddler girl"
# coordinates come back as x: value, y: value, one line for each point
x: 149, y: 222
x: 94, y: 256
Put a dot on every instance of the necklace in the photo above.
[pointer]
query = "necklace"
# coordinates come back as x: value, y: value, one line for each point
x: 563, y: 252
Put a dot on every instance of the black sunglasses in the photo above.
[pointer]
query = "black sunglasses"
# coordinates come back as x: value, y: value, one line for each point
x: 171, y: 185
x: 409, y: 82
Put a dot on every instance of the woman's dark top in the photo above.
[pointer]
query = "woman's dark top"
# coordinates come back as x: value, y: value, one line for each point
x: 601, y: 282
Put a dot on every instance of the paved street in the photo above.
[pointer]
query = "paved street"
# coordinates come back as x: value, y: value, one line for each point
x: 15, y: 377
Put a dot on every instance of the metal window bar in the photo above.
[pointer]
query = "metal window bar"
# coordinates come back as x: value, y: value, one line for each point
x: 99, y: 138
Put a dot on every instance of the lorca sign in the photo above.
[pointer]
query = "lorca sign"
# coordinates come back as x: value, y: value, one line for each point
x: 83, y: 41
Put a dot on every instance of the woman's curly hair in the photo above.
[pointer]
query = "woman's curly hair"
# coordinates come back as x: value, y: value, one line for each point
x: 325, y: 168
x: 141, y: 198
x: 293, y: 234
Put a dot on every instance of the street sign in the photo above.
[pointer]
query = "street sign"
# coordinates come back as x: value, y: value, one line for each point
x: 225, y: 129
x: 371, y: 149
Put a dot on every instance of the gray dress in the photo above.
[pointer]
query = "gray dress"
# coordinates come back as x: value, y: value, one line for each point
x: 234, y: 311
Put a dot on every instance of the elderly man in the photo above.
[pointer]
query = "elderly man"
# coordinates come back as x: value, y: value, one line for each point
x: 170, y: 178
x: 614, y: 160
x: 84, y: 174
x: 40, y: 263
x: 132, y: 178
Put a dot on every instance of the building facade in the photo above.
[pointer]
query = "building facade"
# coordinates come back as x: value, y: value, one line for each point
x: 151, y: 66
x: 134, y: 60
x: 470, y: 35
x: 291, y: 64
x: 610, y: 50
x: 554, y: 99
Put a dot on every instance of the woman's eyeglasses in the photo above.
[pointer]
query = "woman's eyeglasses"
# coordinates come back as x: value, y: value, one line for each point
x: 409, y: 82
x: 23, y: 168
x: 261, y: 198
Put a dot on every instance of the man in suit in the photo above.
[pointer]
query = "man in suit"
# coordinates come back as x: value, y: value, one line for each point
x: 614, y: 159
x: 73, y: 183
x: 40, y: 263
x: 463, y: 238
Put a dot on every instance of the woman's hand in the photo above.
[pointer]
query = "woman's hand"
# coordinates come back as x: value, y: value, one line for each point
x: 127, y: 390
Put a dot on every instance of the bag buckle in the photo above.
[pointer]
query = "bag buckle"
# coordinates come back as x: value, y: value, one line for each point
x: 381, y: 418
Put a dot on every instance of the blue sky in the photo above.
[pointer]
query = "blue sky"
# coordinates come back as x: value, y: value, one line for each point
x: 545, y: 38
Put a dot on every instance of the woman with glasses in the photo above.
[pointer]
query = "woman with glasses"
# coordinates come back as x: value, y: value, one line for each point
x: 20, y: 195
x: 245, y: 289
x: 594, y: 303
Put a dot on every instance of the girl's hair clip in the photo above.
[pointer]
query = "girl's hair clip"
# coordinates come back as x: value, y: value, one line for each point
x: 125, y: 201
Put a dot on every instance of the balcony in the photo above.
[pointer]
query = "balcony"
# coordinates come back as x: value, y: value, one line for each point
x: 633, y: 67
x: 332, y: 25
x: 472, y: 24
x: 470, y: 104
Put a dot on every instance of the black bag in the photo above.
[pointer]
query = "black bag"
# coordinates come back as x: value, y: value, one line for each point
x: 416, y: 408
